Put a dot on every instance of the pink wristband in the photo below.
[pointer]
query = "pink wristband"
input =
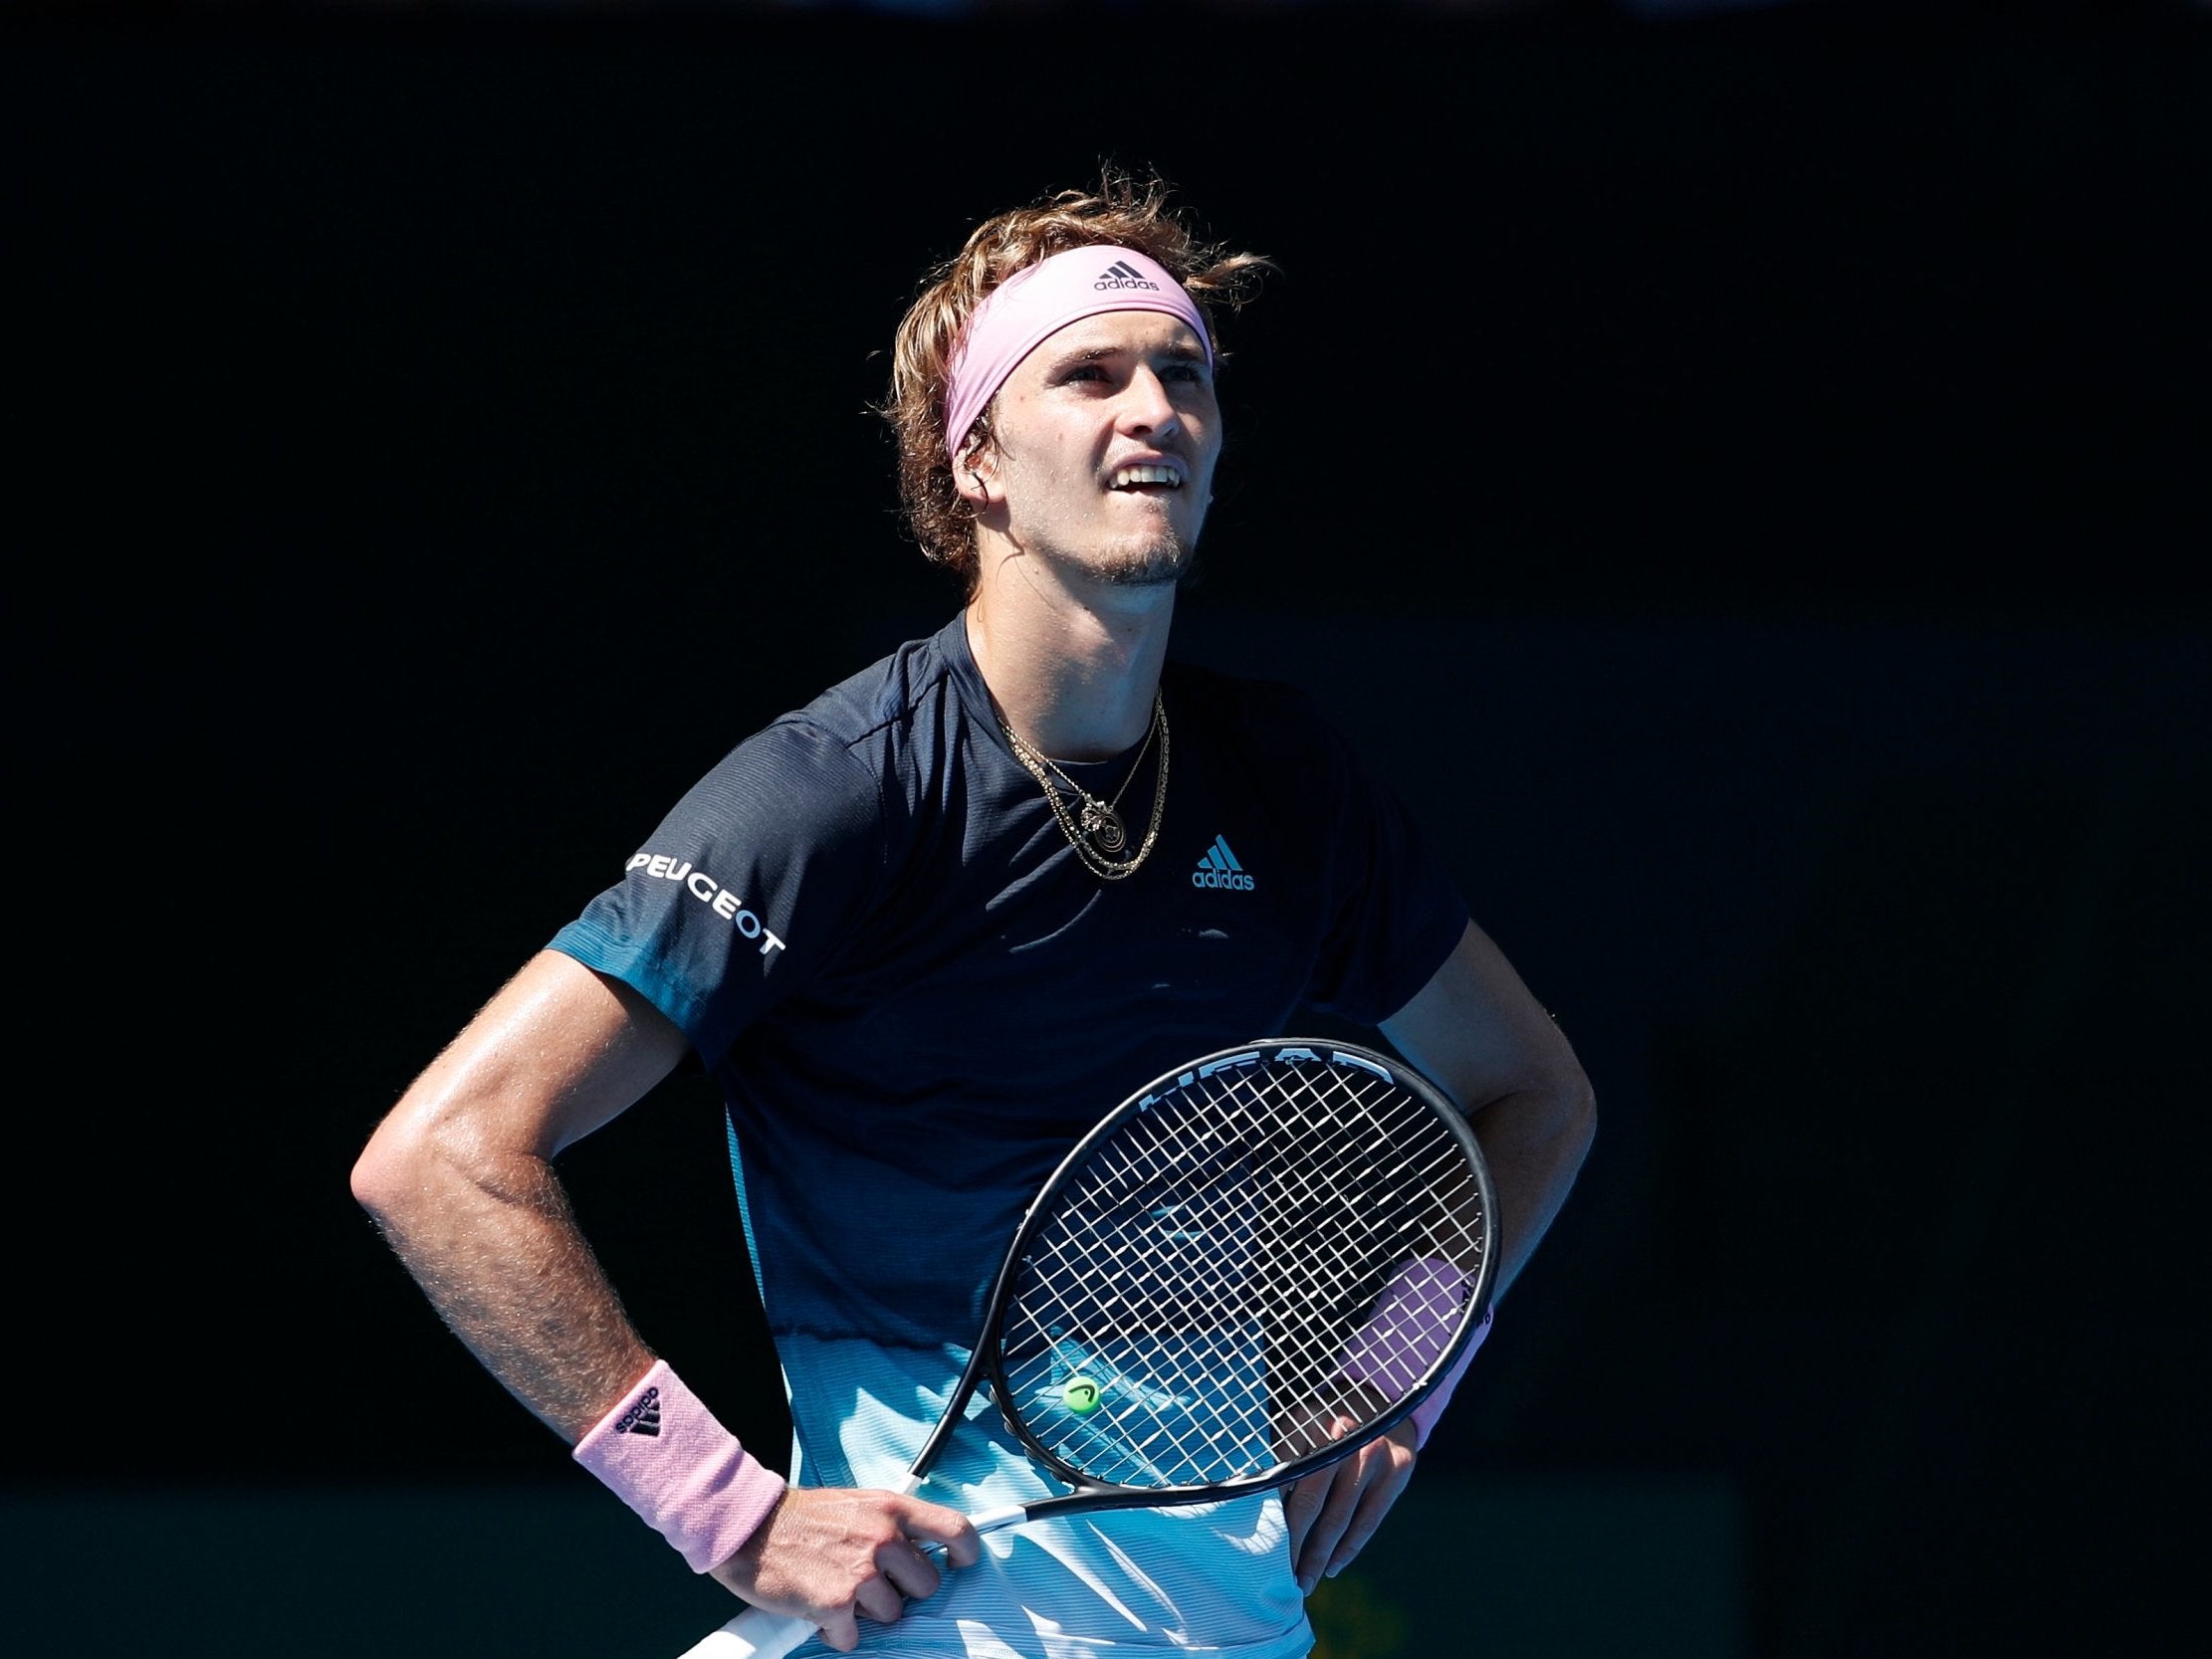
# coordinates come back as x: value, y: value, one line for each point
x: 1411, y: 1324
x: 1423, y: 1416
x: 662, y: 1453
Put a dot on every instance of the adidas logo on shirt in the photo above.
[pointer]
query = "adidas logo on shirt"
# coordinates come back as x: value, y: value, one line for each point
x: 1220, y: 869
x: 1120, y: 273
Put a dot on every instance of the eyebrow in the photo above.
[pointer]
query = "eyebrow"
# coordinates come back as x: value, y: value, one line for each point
x: 1068, y: 357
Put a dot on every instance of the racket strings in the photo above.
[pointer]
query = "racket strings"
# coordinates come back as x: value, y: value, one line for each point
x: 1376, y: 1173
x: 1208, y: 1271
x: 1388, y: 1155
x: 1141, y: 1286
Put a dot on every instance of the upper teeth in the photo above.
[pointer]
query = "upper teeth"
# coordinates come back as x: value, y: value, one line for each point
x: 1152, y: 473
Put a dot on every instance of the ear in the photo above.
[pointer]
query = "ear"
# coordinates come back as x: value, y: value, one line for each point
x: 971, y: 477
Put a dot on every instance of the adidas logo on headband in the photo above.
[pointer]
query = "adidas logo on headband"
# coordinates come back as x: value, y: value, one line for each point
x: 1012, y: 317
x: 1120, y: 273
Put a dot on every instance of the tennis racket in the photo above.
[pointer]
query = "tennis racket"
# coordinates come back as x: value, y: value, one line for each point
x: 1252, y: 1267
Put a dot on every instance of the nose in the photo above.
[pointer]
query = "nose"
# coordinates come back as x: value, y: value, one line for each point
x: 1146, y: 406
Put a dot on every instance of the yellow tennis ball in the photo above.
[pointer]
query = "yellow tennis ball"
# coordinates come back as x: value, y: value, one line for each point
x: 1080, y: 1396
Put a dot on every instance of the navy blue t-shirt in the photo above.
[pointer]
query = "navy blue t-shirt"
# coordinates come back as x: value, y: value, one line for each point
x: 916, y: 996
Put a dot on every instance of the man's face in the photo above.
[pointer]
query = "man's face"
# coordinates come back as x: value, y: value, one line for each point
x: 1107, y: 435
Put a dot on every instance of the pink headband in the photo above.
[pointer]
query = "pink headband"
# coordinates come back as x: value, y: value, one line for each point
x: 1020, y: 312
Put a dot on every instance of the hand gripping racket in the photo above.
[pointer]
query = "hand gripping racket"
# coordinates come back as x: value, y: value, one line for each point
x: 1257, y: 1264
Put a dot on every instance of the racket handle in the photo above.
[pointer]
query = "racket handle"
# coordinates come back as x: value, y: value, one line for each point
x: 753, y: 1634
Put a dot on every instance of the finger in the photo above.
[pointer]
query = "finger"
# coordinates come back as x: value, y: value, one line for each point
x: 911, y: 1573
x: 1387, y: 1470
x: 841, y: 1631
x: 1301, y: 1504
x: 948, y: 1527
x: 879, y: 1599
x: 1337, y: 1502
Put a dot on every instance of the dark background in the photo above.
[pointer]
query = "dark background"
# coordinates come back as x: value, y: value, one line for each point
x: 1740, y: 471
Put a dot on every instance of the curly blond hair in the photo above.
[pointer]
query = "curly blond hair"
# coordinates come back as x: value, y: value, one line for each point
x: 1125, y: 210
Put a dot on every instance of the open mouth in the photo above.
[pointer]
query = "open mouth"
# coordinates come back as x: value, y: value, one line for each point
x: 1152, y: 474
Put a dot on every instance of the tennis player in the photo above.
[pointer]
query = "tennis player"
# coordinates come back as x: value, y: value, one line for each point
x: 924, y: 931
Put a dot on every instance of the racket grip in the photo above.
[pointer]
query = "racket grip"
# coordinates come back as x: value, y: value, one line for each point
x: 753, y: 1634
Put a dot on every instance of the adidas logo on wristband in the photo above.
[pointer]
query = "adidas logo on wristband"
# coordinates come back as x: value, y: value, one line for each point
x: 644, y: 1418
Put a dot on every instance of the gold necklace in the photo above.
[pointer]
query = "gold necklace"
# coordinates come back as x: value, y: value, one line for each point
x: 1101, y: 820
x: 1099, y: 833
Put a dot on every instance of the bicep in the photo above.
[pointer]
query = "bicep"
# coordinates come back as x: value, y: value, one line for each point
x: 559, y: 1051
x: 1477, y: 1030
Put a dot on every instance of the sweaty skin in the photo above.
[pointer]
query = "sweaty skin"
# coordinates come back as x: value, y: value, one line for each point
x: 1089, y: 501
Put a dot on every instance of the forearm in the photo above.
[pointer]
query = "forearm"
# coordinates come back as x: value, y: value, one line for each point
x: 460, y: 1178
x: 1534, y: 1141
x: 495, y: 1246
x: 1479, y: 1035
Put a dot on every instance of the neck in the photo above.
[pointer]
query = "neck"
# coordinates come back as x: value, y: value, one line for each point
x: 1074, y: 675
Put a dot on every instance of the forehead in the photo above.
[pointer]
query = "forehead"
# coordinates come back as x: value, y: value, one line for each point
x: 1132, y: 334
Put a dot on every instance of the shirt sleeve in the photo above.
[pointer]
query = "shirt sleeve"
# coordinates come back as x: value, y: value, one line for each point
x: 745, y: 888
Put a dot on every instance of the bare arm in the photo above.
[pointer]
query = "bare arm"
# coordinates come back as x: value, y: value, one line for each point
x: 1477, y: 1032
x: 459, y: 1177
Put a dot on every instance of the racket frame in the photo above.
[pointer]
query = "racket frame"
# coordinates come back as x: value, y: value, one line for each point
x: 984, y: 1364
